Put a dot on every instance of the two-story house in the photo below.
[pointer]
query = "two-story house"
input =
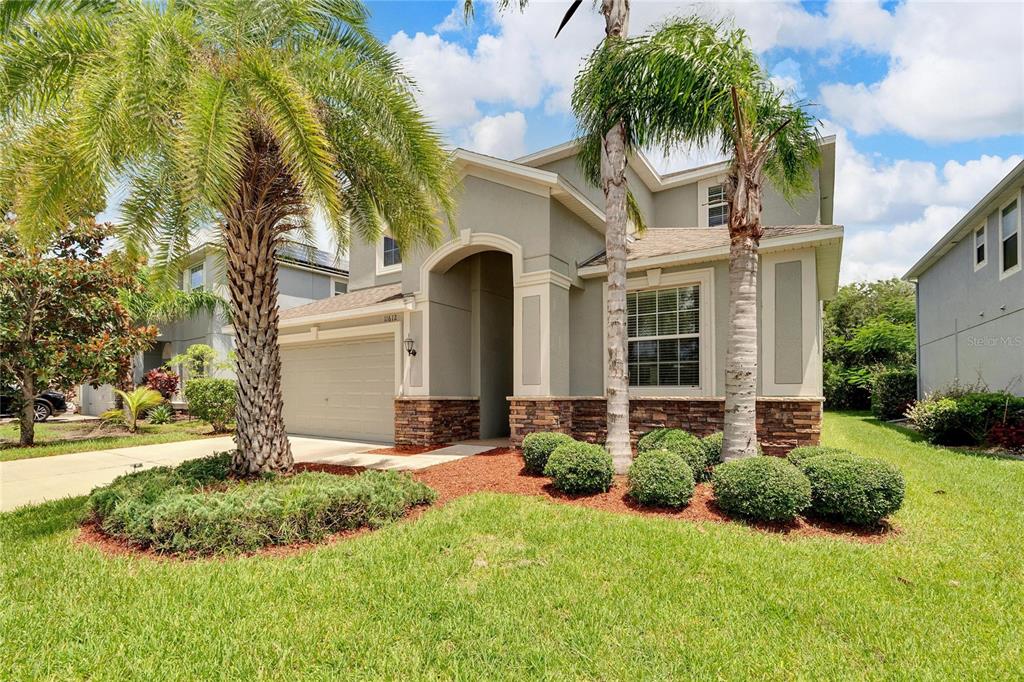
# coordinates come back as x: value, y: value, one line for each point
x: 501, y: 330
x: 970, y: 297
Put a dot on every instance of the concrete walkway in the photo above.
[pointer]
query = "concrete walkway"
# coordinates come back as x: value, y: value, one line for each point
x: 31, y: 481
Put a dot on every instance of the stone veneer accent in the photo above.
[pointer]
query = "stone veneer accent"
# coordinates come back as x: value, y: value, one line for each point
x: 433, y: 421
x: 782, y: 423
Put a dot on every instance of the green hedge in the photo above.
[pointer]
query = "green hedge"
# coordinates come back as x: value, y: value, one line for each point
x: 196, y: 509
x: 854, y: 489
x: 211, y: 400
x: 798, y: 456
x: 537, y: 447
x: 964, y: 419
x: 580, y: 468
x: 659, y: 478
x: 761, y: 489
x: 894, y: 391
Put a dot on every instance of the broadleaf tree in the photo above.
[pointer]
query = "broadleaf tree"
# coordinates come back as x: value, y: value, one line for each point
x: 692, y: 82
x: 245, y: 114
x: 61, y: 319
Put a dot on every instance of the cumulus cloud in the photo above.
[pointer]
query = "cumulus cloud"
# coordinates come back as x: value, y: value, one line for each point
x: 502, y: 136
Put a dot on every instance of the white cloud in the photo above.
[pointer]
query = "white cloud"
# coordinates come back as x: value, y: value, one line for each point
x: 455, y: 21
x: 502, y: 136
x: 955, y: 73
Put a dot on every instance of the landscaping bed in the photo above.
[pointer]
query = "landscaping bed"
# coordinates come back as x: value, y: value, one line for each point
x: 87, y: 436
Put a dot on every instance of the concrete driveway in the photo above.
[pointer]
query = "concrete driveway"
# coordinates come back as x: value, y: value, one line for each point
x: 30, y: 481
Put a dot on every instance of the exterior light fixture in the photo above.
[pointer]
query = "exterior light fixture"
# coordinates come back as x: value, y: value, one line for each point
x: 409, y: 346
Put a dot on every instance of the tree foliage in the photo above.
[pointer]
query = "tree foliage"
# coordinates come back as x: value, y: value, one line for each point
x: 61, y: 320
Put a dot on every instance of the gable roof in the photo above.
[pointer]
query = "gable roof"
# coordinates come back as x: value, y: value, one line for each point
x: 966, y: 224
x: 362, y: 298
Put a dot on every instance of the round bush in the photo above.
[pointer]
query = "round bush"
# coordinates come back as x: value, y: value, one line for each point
x: 651, y: 440
x: 690, y: 448
x: 761, y: 489
x: 797, y: 456
x: 853, y: 489
x: 713, y: 448
x: 211, y: 400
x: 537, y: 447
x: 659, y: 478
x: 580, y: 468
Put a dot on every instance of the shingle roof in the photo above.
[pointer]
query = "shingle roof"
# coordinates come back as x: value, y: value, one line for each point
x: 297, y: 253
x: 350, y: 301
x: 664, y: 241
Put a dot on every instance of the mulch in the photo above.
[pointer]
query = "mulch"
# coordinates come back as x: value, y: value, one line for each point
x: 501, y: 471
x: 407, y: 449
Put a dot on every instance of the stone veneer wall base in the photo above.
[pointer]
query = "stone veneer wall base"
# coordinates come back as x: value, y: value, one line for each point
x: 782, y: 423
x: 433, y: 421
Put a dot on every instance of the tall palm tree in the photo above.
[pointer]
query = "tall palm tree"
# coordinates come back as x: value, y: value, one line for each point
x: 693, y: 82
x: 247, y: 112
x: 607, y: 170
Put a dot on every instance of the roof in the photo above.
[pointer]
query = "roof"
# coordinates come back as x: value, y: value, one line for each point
x: 966, y: 224
x: 363, y: 298
x: 664, y: 241
x: 304, y: 255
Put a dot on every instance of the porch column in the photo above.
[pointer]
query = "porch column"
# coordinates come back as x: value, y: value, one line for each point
x: 541, y: 328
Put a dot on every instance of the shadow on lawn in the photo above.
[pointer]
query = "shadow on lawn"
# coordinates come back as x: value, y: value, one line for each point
x: 38, y: 521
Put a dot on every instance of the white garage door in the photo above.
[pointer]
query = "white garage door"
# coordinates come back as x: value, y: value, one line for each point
x: 344, y: 389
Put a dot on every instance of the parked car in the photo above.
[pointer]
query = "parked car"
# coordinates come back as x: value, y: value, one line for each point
x: 48, y: 403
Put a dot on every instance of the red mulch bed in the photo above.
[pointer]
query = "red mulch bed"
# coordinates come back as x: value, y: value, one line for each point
x: 501, y: 471
x: 408, y: 449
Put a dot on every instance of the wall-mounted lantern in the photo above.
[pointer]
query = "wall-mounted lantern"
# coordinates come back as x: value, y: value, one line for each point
x: 409, y: 346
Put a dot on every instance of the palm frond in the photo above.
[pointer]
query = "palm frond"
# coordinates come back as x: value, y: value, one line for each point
x: 212, y: 137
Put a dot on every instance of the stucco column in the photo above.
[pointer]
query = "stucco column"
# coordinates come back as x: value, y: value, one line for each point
x: 541, y: 329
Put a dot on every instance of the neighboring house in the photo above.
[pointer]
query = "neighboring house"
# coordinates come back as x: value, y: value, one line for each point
x: 970, y: 297
x: 501, y: 330
x: 304, y: 275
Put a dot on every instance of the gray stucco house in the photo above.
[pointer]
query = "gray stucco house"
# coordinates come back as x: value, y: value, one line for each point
x: 500, y: 330
x: 970, y: 297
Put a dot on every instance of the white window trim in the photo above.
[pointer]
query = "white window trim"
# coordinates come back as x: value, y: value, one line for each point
x: 702, y: 199
x: 974, y: 246
x: 705, y: 278
x: 1003, y: 274
x: 188, y: 276
x: 381, y: 268
x: 335, y: 280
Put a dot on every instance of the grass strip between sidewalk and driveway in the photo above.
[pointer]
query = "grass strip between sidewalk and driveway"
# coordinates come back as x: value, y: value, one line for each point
x: 88, y: 436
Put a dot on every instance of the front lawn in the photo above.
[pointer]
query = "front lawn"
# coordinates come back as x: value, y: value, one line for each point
x: 505, y: 587
x: 86, y: 436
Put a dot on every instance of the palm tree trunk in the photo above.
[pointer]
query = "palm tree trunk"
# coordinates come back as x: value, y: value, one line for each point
x: 740, y: 428
x: 252, y: 226
x: 613, y: 183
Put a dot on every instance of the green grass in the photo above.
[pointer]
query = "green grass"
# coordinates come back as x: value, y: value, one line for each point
x: 506, y: 587
x: 71, y: 437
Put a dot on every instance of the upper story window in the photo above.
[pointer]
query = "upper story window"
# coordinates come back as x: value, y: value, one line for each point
x: 389, y: 256
x: 196, y: 278
x: 340, y: 287
x: 980, y: 254
x: 1009, y: 239
x: 663, y: 326
x: 718, y: 209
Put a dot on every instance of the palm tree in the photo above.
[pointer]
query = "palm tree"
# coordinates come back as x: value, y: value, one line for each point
x: 136, y: 403
x: 607, y: 170
x: 692, y: 82
x: 253, y: 114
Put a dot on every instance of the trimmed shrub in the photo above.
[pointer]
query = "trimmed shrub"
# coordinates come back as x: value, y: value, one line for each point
x: 761, y: 489
x: 690, y: 448
x: 713, y: 448
x: 161, y: 414
x: 854, y: 489
x: 894, y: 390
x: 211, y: 400
x: 965, y: 418
x: 580, y: 468
x: 182, y: 511
x: 939, y: 420
x: 798, y: 456
x: 652, y: 440
x: 659, y: 478
x: 537, y: 447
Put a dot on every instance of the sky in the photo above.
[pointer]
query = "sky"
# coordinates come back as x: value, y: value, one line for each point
x: 926, y: 99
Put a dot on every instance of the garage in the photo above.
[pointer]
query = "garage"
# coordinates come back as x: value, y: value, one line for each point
x: 341, y: 389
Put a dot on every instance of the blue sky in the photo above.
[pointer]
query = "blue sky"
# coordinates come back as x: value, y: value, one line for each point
x: 926, y: 99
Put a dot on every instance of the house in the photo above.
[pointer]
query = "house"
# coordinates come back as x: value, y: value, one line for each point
x: 304, y: 275
x: 500, y: 331
x: 970, y: 297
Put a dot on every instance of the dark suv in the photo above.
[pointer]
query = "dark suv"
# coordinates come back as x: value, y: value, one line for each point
x: 48, y: 403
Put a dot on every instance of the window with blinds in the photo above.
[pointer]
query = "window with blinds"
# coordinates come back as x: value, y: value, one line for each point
x: 664, y: 336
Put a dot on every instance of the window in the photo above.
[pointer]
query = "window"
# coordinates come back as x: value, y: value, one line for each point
x: 718, y: 209
x: 340, y: 287
x: 664, y: 336
x: 392, y: 254
x: 980, y: 257
x: 195, y: 278
x: 1009, y: 239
